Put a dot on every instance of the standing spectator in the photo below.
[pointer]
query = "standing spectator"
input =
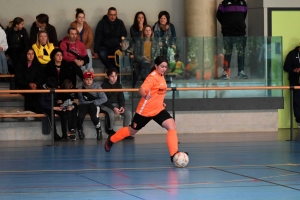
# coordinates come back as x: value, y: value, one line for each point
x: 164, y: 32
x: 42, y: 23
x: 85, y: 35
x: 43, y: 49
x: 90, y: 102
x: 3, y: 48
x: 108, y: 33
x: 74, y: 53
x: 139, y: 22
x: 292, y: 66
x: 115, y: 102
x: 17, y: 40
x: 232, y: 15
x: 28, y: 77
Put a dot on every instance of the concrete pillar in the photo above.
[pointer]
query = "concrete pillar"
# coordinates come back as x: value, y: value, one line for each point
x: 200, y: 18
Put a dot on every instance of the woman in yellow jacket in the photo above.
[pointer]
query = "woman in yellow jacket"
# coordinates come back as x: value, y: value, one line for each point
x: 43, y: 49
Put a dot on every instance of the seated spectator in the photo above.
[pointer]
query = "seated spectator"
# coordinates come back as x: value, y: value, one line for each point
x: 74, y: 53
x: 123, y: 57
x: 43, y: 49
x: 17, y: 40
x: 108, y: 33
x: 177, y: 67
x: 68, y: 104
x: 164, y: 32
x: 89, y: 103
x: 42, y: 24
x: 115, y: 103
x: 46, y: 107
x: 3, y: 48
x: 191, y: 68
x: 28, y: 77
x: 85, y: 35
x: 145, y: 51
x: 59, y: 68
x: 139, y: 22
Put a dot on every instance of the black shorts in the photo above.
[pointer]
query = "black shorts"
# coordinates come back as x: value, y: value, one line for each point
x: 139, y: 121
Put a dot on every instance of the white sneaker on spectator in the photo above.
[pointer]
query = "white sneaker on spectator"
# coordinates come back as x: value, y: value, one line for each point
x: 91, y: 70
x: 298, y: 123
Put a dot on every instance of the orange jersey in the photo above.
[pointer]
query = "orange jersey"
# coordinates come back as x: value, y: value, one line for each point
x: 157, y: 86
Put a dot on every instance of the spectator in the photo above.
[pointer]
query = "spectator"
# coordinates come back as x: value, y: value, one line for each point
x: 3, y: 48
x: 74, y: 53
x: 90, y: 102
x: 115, y: 103
x: 123, y: 57
x: 177, y: 67
x: 27, y: 76
x: 139, y: 22
x: 145, y: 50
x: 68, y: 104
x: 46, y: 106
x: 43, y: 49
x: 42, y: 23
x: 191, y: 68
x: 59, y: 68
x: 85, y: 35
x: 292, y: 66
x: 232, y: 15
x: 164, y: 32
x: 17, y: 40
x: 108, y: 33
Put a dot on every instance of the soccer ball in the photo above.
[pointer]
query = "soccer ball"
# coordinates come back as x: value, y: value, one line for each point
x: 181, y: 159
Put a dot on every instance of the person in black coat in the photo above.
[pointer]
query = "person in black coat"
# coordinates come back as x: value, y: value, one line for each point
x: 292, y: 67
x: 42, y: 23
x: 61, y: 69
x: 108, y: 33
x: 17, y: 40
x: 28, y: 77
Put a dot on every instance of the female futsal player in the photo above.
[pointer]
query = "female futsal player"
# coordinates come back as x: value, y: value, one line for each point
x: 151, y: 106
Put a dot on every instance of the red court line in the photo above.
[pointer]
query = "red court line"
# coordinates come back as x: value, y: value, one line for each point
x: 121, y: 175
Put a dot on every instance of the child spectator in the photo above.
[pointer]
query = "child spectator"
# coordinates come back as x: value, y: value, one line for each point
x: 115, y: 102
x: 89, y: 102
x: 123, y: 57
x: 3, y: 48
x: 191, y: 68
x: 68, y: 104
x: 177, y: 67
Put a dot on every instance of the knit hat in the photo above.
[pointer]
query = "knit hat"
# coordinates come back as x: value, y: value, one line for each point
x: 88, y: 75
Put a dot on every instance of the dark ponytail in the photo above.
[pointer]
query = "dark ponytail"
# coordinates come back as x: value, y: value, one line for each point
x: 16, y: 21
x: 158, y: 61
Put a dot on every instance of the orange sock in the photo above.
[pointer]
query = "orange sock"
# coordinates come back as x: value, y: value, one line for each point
x: 172, y: 141
x: 120, y: 135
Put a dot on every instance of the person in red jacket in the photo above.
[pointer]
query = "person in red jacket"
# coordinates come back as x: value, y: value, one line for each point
x: 74, y: 52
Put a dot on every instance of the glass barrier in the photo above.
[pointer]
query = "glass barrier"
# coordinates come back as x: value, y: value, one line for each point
x: 208, y: 62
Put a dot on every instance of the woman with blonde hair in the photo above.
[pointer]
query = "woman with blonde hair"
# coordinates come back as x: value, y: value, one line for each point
x: 43, y: 47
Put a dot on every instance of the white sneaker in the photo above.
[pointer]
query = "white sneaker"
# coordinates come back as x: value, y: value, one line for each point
x: 298, y: 123
x: 224, y: 76
x: 29, y: 119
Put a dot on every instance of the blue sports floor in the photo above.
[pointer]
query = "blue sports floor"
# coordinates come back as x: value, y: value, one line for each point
x: 222, y: 166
